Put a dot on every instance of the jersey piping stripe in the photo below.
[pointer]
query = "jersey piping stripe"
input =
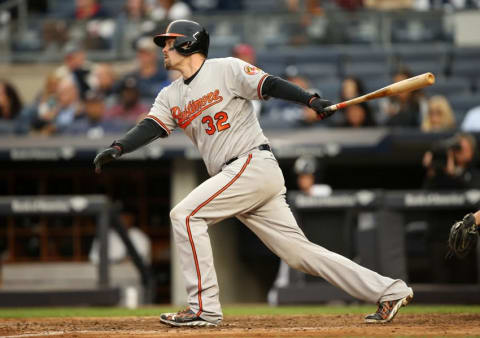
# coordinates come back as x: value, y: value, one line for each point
x: 259, y: 87
x: 194, y: 251
x: 156, y: 119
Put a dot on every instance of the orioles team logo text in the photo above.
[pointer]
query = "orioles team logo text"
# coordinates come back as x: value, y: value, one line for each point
x: 195, y: 108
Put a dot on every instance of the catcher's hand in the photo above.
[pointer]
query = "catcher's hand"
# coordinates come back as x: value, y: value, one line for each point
x: 318, y: 105
x: 106, y: 156
x: 463, y: 236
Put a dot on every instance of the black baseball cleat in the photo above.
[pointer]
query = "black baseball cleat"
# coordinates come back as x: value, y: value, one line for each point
x: 387, y: 310
x: 184, y: 318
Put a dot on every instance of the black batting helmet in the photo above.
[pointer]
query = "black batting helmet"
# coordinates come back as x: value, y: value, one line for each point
x: 190, y: 37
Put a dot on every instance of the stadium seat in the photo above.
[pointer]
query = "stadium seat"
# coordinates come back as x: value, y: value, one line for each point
x: 268, y: 56
x: 417, y: 30
x: 60, y: 8
x: 263, y: 6
x: 328, y: 88
x: 420, y: 67
x: 451, y: 86
x: 374, y: 83
x: 297, y: 56
x: 219, y: 51
x: 112, y: 7
x: 426, y: 52
x: 466, y: 68
x: 317, y: 70
x: 315, y: 54
x: 361, y: 53
x: 463, y: 103
x: 273, y: 68
x: 364, y: 70
x: 466, y: 54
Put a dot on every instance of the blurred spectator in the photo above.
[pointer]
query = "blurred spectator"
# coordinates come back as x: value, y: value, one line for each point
x: 92, y: 123
x: 75, y: 64
x: 88, y: 22
x: 93, y: 25
x: 358, y: 115
x: 471, y: 121
x: 170, y: 10
x: 104, y: 78
x: 89, y: 9
x: 117, y: 251
x: 45, y: 101
x: 10, y: 107
x: 10, y: 102
x: 306, y: 167
x: 149, y: 76
x: 133, y: 22
x: 284, y: 114
x: 136, y: 10
x: 351, y: 87
x: 451, y: 164
x: 454, y: 4
x: 172, y: 75
x: 350, y: 5
x: 215, y: 5
x: 402, y: 110
x: 129, y: 108
x: 389, y: 4
x: 67, y: 108
x: 439, y: 116
x: 55, y: 35
x: 247, y: 53
x: 312, y: 24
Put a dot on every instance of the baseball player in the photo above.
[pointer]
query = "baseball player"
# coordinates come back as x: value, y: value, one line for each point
x: 211, y: 102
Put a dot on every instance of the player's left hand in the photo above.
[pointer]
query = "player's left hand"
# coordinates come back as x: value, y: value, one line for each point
x: 319, y: 106
x: 106, y: 156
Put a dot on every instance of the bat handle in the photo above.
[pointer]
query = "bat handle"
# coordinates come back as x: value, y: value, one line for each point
x: 334, y: 107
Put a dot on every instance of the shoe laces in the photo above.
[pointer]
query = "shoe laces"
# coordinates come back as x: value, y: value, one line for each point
x: 384, y: 308
x: 185, y: 311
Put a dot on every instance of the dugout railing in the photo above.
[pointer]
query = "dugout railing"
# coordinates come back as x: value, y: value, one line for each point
x: 391, y: 232
x: 107, y: 215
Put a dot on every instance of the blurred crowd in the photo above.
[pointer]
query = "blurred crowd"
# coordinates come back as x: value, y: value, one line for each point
x: 82, y: 97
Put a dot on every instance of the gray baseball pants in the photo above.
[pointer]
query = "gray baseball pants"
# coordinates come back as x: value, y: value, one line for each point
x: 252, y: 189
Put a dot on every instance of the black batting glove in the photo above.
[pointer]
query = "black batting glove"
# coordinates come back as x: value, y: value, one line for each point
x: 106, y: 156
x: 318, y: 104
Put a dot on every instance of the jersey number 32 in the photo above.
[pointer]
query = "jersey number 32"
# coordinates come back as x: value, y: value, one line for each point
x: 219, y: 124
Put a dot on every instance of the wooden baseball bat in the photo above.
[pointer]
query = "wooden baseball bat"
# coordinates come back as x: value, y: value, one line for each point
x: 403, y: 86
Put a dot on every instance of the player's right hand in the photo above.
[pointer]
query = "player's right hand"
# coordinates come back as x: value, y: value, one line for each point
x: 106, y: 156
x: 319, y: 106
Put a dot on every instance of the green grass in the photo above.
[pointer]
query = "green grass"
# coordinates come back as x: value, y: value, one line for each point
x: 232, y: 310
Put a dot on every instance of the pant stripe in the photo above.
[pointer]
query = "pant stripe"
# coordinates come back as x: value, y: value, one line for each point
x: 197, y: 267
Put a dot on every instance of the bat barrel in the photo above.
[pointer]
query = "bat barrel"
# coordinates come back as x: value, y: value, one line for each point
x: 406, y: 85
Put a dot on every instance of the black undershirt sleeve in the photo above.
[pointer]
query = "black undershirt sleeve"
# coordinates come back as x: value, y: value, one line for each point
x: 143, y: 133
x: 274, y: 86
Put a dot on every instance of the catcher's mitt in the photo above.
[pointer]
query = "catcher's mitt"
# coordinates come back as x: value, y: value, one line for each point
x: 463, y: 236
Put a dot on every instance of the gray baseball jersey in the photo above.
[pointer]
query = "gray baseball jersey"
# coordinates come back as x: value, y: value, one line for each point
x: 215, y: 110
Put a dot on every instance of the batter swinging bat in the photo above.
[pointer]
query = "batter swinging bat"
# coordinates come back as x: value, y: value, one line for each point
x: 403, y: 86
